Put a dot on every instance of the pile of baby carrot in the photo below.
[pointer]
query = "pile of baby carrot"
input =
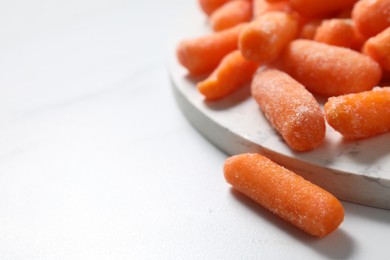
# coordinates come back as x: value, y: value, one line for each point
x: 291, y: 51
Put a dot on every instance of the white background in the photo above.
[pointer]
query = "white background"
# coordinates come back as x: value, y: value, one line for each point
x: 97, y: 161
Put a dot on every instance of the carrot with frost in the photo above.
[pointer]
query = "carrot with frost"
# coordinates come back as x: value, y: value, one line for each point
x: 330, y: 70
x: 360, y: 115
x: 284, y: 193
x: 230, y: 14
x: 371, y: 16
x: 290, y: 108
x: 202, y: 55
x: 378, y: 48
x: 264, y: 39
x: 233, y: 72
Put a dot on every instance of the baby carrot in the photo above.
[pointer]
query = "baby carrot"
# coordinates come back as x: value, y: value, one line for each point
x: 315, y: 8
x: 209, y: 6
x: 231, y: 14
x: 285, y: 193
x: 233, y: 72
x: 338, y: 32
x: 261, y: 7
x: 265, y: 38
x: 360, y: 115
x: 371, y: 16
x: 330, y: 70
x: 202, y: 55
x: 378, y: 48
x: 290, y: 108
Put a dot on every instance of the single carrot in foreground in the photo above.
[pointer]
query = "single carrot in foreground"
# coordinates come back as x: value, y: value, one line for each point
x: 371, y: 16
x: 202, y: 55
x: 231, y: 14
x: 233, y: 72
x: 290, y: 108
x: 285, y: 193
x: 264, y: 39
x: 209, y: 6
x: 360, y: 115
x: 378, y: 48
x: 330, y: 70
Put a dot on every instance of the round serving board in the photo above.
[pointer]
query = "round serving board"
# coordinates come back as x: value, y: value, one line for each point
x: 355, y: 171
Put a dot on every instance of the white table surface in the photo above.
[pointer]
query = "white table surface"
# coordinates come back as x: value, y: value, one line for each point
x: 98, y: 162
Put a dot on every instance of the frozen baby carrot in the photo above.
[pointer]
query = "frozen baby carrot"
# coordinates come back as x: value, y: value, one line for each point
x: 202, y: 55
x: 265, y: 38
x: 378, y: 48
x: 315, y: 8
x: 231, y: 14
x: 338, y: 32
x: 285, y: 193
x: 290, y: 108
x: 371, y: 16
x: 360, y: 115
x: 330, y: 70
x: 261, y: 7
x: 233, y: 72
x: 209, y: 6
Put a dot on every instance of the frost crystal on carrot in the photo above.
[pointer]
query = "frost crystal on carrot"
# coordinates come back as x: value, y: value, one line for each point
x: 290, y: 108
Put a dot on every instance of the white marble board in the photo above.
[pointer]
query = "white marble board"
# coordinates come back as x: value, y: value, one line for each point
x: 355, y: 171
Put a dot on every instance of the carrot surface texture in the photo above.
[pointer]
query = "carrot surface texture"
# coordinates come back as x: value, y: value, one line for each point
x: 371, y: 16
x: 202, y: 55
x: 209, y: 6
x: 360, y: 115
x: 230, y: 14
x: 378, y: 48
x: 233, y: 72
x: 264, y: 39
x: 330, y: 70
x: 285, y: 193
x: 290, y: 108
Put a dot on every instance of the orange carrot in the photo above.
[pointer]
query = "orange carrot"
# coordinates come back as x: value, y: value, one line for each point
x: 233, y: 72
x: 360, y: 115
x: 330, y: 70
x: 265, y: 38
x: 315, y: 8
x: 338, y: 32
x: 202, y: 55
x: 290, y: 108
x: 261, y: 7
x: 284, y: 193
x: 378, y: 48
x: 209, y: 6
x: 309, y: 29
x: 231, y: 14
x: 371, y: 16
